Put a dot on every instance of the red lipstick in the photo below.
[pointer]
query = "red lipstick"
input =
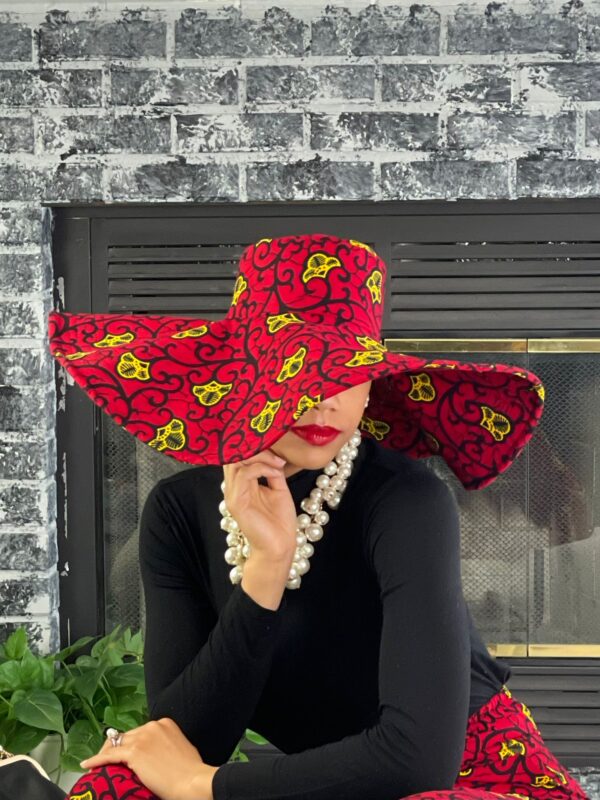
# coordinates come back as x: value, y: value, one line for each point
x: 316, y: 434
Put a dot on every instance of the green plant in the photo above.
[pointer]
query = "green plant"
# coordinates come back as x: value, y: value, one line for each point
x: 40, y: 695
x: 76, y: 699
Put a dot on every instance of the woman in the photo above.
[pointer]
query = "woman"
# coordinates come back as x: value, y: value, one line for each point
x: 372, y: 678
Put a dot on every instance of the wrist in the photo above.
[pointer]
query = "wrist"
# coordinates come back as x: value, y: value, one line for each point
x: 201, y: 786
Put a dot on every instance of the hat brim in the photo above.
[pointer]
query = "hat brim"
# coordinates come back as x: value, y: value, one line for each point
x: 216, y: 392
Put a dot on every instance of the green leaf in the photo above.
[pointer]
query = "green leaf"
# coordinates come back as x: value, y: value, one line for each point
x: 133, y: 702
x: 31, y: 671
x: 103, y: 644
x: 86, y: 684
x: 17, y: 695
x: 86, y: 661
x: 24, y: 739
x: 125, y: 675
x: 41, y: 709
x: 47, y: 674
x: 123, y: 721
x: 62, y: 655
x: 10, y: 676
x: 83, y: 740
x: 252, y: 736
x: 16, y: 644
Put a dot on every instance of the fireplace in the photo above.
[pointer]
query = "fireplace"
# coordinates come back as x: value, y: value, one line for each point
x: 487, y: 281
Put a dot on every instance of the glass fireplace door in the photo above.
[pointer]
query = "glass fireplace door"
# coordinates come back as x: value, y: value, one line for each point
x: 530, y: 541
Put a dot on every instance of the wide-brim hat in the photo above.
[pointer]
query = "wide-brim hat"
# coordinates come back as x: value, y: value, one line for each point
x: 304, y: 324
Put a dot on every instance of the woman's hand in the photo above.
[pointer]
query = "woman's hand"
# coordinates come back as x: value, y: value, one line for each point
x: 163, y: 759
x: 266, y: 514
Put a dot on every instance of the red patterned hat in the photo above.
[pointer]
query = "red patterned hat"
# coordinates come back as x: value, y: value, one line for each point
x: 304, y: 324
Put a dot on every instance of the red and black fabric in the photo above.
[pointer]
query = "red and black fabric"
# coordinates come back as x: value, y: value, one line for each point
x: 504, y: 756
x: 304, y: 324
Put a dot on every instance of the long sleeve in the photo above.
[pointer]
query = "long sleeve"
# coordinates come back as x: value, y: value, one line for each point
x: 205, y: 671
x: 417, y: 741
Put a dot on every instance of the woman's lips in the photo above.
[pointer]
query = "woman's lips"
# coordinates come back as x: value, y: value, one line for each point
x: 315, y: 435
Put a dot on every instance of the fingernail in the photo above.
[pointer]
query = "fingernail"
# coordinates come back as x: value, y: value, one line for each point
x: 281, y: 460
x: 83, y: 763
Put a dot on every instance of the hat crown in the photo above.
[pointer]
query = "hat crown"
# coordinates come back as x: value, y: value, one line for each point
x: 319, y: 278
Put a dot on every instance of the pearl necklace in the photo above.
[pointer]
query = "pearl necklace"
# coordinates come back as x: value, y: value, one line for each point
x: 330, y: 487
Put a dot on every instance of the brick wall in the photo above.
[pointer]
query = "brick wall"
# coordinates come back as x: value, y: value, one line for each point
x: 254, y: 102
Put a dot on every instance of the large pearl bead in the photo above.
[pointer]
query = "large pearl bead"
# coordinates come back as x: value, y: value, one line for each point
x: 314, y: 533
x: 236, y: 574
x: 302, y: 566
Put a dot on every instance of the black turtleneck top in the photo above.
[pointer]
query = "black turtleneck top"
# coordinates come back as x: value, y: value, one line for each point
x: 363, y: 677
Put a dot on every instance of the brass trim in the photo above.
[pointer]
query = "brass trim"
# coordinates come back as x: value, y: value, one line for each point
x: 458, y: 345
x: 563, y: 345
x: 564, y: 650
x: 505, y: 649
x: 508, y: 649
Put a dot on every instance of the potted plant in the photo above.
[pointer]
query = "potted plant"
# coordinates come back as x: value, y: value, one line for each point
x: 56, y: 707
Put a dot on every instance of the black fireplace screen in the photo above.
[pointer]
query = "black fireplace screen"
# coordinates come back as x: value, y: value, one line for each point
x: 462, y: 278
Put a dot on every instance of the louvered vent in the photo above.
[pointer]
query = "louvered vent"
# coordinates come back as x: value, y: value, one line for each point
x: 184, y: 279
x: 501, y: 286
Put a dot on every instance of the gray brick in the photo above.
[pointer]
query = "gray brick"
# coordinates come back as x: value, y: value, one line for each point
x: 311, y: 180
x: 497, y: 28
x: 27, y: 459
x: 28, y: 551
x: 134, y: 87
x: 21, y: 318
x: 22, y: 505
x: 15, y: 42
x: 24, y: 273
x: 68, y: 182
x: 374, y: 130
x: 26, y: 408
x: 70, y: 87
x: 30, y: 594
x: 279, y: 33
x: 42, y: 632
x: 33, y: 88
x: 589, y: 778
x: 555, y: 82
x: 25, y: 367
x: 130, y: 37
x: 54, y: 183
x: 21, y: 225
x: 16, y: 135
x: 592, y: 44
x: 501, y: 129
x: 444, y: 179
x: 20, y: 182
x: 134, y: 134
x: 476, y: 83
x: 288, y: 83
x: 592, y: 128
x: 211, y: 132
x: 557, y: 177
x: 388, y: 31
x: 176, y: 181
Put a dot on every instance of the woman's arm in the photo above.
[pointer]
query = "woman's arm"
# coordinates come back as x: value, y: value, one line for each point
x: 424, y: 677
x: 205, y: 671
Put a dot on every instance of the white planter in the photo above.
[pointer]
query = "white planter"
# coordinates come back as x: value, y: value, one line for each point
x: 47, y: 753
